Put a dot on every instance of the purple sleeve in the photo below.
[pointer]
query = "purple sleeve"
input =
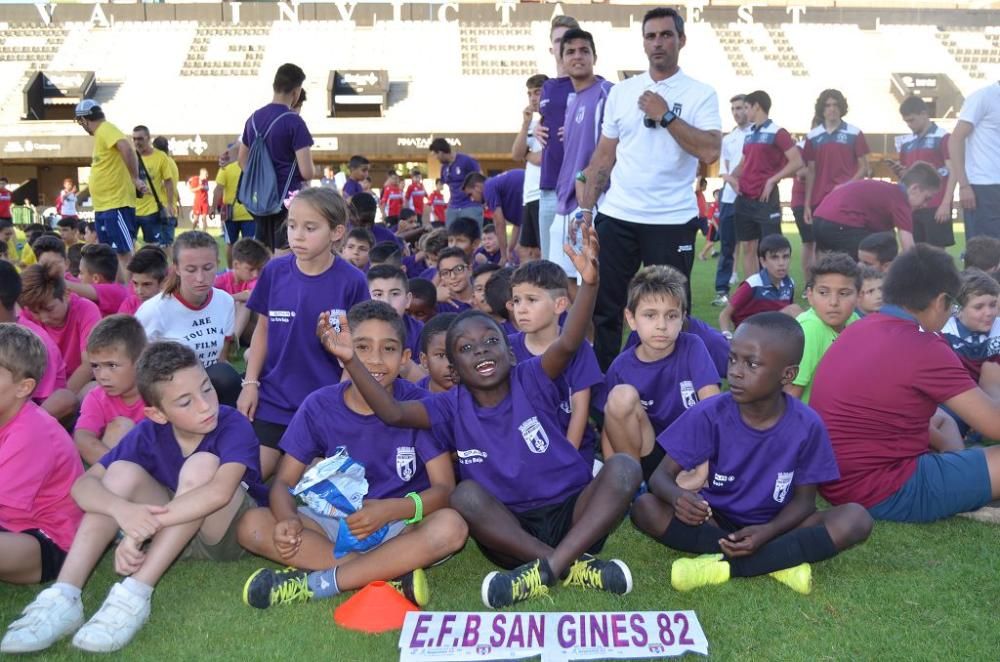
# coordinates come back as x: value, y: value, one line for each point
x: 237, y: 442
x: 441, y: 410
x: 541, y: 385
x: 300, y: 133
x: 689, y: 441
x: 583, y: 371
x: 700, y: 364
x: 491, y: 193
x: 260, y: 294
x: 131, y: 447
x: 430, y: 444
x: 300, y: 437
x: 816, y: 463
x: 248, y: 135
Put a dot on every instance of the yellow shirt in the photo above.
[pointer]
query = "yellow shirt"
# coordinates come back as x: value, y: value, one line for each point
x: 111, y: 185
x: 175, y: 176
x: 228, y: 178
x: 158, y: 167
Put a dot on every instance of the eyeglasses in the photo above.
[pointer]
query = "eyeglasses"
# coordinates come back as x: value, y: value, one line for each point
x: 454, y: 271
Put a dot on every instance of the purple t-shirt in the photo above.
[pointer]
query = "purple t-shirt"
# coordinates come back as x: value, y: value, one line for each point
x: 552, y: 107
x: 506, y: 193
x: 715, y: 343
x: 583, y: 372
x: 584, y: 114
x: 492, y: 258
x: 428, y: 274
x: 296, y: 363
x: 154, y: 448
x: 382, y: 233
x: 393, y: 458
x: 287, y: 136
x: 451, y: 307
x: 413, y: 329
x: 352, y: 187
x: 453, y: 174
x: 412, y: 266
x: 752, y: 474
x: 669, y: 386
x: 517, y: 451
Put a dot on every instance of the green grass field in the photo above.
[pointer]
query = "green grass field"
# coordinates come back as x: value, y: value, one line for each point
x: 911, y: 592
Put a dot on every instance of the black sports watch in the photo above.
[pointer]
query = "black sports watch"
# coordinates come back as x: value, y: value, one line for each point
x: 667, y: 118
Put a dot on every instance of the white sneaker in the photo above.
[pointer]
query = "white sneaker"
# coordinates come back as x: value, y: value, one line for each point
x: 50, y: 617
x: 734, y: 279
x: 118, y: 620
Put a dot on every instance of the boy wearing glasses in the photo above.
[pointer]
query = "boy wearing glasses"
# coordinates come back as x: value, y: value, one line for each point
x: 454, y: 292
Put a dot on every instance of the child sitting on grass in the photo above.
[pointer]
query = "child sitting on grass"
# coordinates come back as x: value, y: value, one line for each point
x: 454, y: 292
x: 174, y: 487
x: 974, y: 330
x: 497, y: 297
x: 832, y: 290
x: 249, y: 259
x: 434, y: 355
x: 870, y: 296
x: 983, y: 252
x: 147, y: 271
x: 878, y: 250
x: 114, y: 407
x: 525, y: 492
x: 357, y: 245
x: 38, y: 466
x: 423, y: 301
x: 767, y: 452
x: 409, y: 476
x: 489, y: 250
x: 99, y: 279
x: 772, y: 288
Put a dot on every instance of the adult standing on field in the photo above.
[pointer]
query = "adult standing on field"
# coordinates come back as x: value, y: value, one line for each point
x: 455, y: 167
x: 975, y: 158
x: 162, y: 145
x: 114, y: 180
x: 153, y: 210
x: 288, y: 143
x: 657, y: 126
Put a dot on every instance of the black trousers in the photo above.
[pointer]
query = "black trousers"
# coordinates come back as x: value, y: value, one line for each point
x: 834, y: 237
x: 624, y: 247
x: 271, y: 230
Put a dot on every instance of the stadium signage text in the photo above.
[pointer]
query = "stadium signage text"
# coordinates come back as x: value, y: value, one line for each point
x: 423, y: 142
x: 29, y: 147
x: 553, y: 636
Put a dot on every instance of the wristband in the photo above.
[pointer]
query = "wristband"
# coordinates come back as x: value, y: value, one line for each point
x: 418, y: 508
x: 247, y: 382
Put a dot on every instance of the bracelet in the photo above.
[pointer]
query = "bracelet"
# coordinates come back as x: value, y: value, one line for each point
x: 249, y: 382
x: 418, y: 508
x: 581, y: 177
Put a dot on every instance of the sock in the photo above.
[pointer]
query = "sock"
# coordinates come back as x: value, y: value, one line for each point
x: 323, y: 583
x: 701, y: 539
x: 786, y: 551
x: 68, y: 590
x: 137, y: 588
x: 545, y: 570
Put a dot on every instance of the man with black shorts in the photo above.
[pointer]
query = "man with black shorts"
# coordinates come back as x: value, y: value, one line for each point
x: 928, y: 143
x: 528, y: 149
x: 769, y: 155
x: 657, y: 126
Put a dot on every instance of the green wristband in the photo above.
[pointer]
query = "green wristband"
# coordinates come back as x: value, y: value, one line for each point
x: 418, y: 508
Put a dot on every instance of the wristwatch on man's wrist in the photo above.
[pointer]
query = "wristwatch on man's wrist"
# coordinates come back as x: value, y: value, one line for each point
x: 667, y: 118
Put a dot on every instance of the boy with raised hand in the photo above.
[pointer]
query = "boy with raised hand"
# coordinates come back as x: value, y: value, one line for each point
x: 174, y: 481
x: 540, y: 295
x: 772, y: 288
x: 409, y: 476
x: 525, y: 491
x: 832, y: 291
x: 38, y: 466
x: 109, y: 411
x: 767, y: 453
x: 668, y: 372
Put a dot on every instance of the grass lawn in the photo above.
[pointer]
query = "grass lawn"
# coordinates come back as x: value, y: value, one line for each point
x: 910, y: 592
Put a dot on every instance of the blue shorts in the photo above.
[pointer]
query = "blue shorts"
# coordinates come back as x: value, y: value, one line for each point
x: 152, y: 228
x: 236, y: 229
x: 943, y: 485
x: 116, y: 228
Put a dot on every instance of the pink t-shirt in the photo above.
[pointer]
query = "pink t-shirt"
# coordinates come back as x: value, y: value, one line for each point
x: 875, y: 389
x: 55, y: 368
x: 71, y: 338
x: 38, y: 466
x: 130, y: 304
x: 227, y: 283
x: 110, y: 297
x: 99, y: 409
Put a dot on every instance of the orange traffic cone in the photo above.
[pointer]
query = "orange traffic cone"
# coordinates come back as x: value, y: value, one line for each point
x: 376, y: 608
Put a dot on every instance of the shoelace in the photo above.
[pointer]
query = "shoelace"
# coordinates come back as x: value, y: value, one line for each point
x: 583, y: 573
x: 295, y: 589
x: 529, y: 585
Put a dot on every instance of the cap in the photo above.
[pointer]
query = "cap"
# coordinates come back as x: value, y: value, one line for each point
x: 86, y: 107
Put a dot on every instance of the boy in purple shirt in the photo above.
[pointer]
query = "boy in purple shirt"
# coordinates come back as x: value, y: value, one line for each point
x: 434, y: 355
x: 176, y: 481
x: 656, y: 381
x: 539, y: 296
x: 525, y: 491
x: 504, y: 195
x: 489, y: 251
x: 454, y: 294
x: 388, y: 283
x: 357, y: 169
x: 454, y: 169
x: 767, y: 452
x: 409, y: 476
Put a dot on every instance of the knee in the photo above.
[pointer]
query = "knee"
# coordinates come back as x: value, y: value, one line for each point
x: 253, y: 527
x: 623, y: 400
x: 467, y: 498
x: 449, y: 533
x: 122, y: 478
x: 646, y: 512
x: 119, y: 425
x: 625, y: 473
x: 854, y: 526
x: 198, y: 470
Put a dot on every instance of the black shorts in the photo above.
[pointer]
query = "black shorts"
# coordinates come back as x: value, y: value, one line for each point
x: 650, y: 462
x: 549, y: 524
x: 754, y: 219
x: 805, y: 229
x: 268, y: 434
x: 52, y: 555
x: 928, y: 231
x: 272, y: 231
x: 834, y: 237
x: 529, y: 226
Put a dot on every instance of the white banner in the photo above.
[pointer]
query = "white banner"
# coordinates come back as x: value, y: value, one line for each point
x: 554, y: 636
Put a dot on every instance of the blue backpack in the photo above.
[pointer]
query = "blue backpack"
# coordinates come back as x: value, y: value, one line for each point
x: 258, y: 187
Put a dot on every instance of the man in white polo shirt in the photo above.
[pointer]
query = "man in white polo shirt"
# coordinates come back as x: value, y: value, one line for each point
x: 657, y: 126
x: 732, y: 154
x: 975, y: 159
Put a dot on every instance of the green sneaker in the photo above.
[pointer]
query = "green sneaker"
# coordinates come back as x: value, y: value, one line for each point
x: 590, y: 572
x: 688, y: 574
x: 799, y: 578
x: 503, y: 589
x: 268, y: 587
x: 413, y: 586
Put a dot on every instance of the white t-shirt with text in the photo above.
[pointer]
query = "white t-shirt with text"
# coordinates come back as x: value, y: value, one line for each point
x: 203, y: 329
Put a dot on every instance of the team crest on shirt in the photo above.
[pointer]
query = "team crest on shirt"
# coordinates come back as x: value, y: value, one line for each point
x: 581, y: 112
x: 678, y: 107
x: 781, y: 485
x: 406, y: 462
x: 534, y: 435
x: 688, y: 396
x: 842, y: 138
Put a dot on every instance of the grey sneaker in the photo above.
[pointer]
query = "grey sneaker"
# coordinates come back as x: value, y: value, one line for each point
x: 720, y: 300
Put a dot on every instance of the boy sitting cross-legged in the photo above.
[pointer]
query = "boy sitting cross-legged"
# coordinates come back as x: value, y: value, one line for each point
x: 772, y: 288
x: 409, y: 476
x: 767, y: 452
x: 175, y: 481
x: 525, y: 491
